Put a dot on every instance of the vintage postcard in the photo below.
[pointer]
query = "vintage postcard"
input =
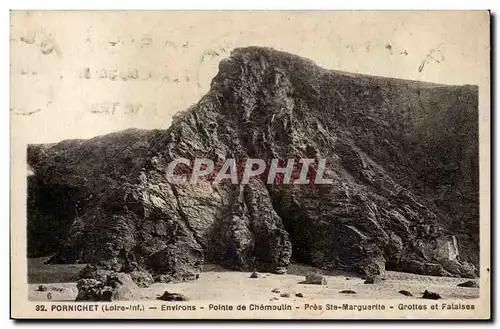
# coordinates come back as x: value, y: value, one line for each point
x: 250, y: 164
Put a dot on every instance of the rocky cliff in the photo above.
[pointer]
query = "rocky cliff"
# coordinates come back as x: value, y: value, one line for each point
x: 403, y: 157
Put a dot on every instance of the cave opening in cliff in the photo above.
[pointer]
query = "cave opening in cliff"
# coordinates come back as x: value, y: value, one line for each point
x: 51, y: 209
x: 299, y: 234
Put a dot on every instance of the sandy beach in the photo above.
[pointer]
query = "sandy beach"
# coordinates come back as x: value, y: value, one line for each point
x: 219, y: 284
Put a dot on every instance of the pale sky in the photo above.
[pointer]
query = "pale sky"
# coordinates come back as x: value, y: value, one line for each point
x: 163, y: 51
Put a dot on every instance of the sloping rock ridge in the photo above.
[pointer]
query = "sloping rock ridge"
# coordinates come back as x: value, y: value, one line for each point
x: 402, y: 155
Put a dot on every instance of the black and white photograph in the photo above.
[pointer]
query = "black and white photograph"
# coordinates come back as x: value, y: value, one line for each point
x: 250, y: 164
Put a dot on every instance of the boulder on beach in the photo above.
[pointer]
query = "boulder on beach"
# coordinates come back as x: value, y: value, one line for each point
x: 172, y: 297
x: 405, y: 293
x: 115, y: 287
x: 431, y: 295
x: 469, y: 284
x: 314, y: 279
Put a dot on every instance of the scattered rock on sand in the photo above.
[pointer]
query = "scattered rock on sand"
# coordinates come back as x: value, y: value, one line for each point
x: 274, y: 298
x: 348, y: 278
x: 172, y: 297
x: 276, y: 290
x: 469, y: 284
x: 280, y: 270
x: 299, y: 295
x: 431, y: 295
x: 42, y: 288
x: 58, y: 289
x: 314, y: 279
x: 285, y: 295
x: 347, y: 291
x: 254, y: 275
x: 405, y: 292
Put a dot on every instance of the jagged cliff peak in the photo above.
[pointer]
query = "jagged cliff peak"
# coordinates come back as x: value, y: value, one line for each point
x: 402, y: 157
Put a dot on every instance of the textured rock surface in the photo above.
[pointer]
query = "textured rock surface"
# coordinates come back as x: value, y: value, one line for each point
x: 112, y: 287
x: 143, y: 279
x: 315, y: 279
x: 403, y: 157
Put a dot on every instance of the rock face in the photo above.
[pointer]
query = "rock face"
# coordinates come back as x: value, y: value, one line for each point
x: 402, y: 157
x: 141, y: 278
